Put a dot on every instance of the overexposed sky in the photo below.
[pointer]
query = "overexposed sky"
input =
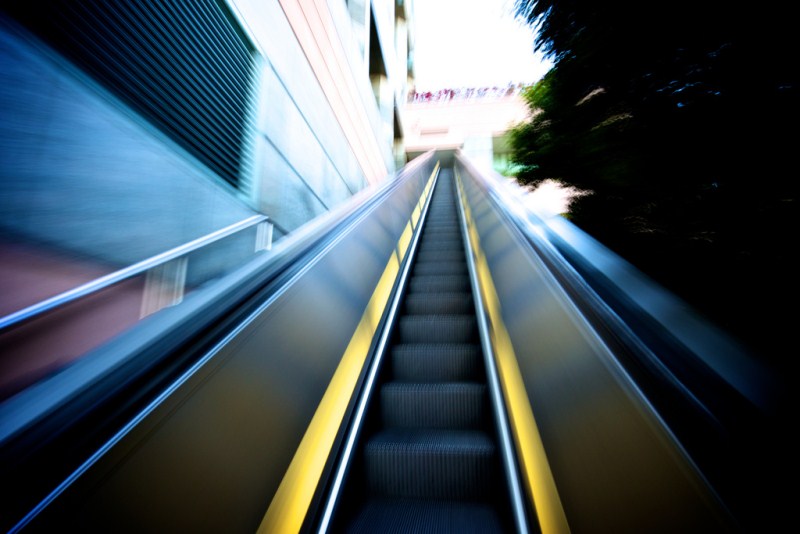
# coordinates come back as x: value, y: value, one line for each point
x: 472, y: 43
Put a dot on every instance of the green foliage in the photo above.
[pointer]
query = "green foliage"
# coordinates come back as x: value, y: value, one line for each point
x: 680, y: 119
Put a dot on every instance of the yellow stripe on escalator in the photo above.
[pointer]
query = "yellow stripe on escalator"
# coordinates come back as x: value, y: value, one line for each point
x: 289, y: 506
x: 530, y: 449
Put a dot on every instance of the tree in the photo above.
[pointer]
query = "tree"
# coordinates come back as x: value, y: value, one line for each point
x: 680, y: 118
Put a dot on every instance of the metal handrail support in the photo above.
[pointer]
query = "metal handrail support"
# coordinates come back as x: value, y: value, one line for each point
x: 124, y: 274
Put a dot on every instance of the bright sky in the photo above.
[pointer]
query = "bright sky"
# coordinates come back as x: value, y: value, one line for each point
x: 472, y: 43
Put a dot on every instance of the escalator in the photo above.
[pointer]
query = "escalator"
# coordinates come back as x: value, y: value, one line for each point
x: 429, y: 455
x: 408, y: 363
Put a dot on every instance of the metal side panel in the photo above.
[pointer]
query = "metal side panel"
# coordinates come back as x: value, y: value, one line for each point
x: 210, y: 454
x: 577, y: 418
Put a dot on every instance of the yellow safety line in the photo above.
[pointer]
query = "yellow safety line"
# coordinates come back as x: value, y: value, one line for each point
x: 289, y: 506
x: 539, y: 477
x: 415, y: 214
x: 405, y: 239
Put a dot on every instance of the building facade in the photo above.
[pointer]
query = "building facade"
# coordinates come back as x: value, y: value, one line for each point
x: 133, y: 130
x: 132, y: 127
x: 475, y: 120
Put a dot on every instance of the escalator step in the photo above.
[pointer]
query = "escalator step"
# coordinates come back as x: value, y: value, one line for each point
x: 436, y: 363
x: 433, y: 255
x: 440, y: 242
x: 438, y: 283
x: 443, y: 225
x: 425, y: 517
x: 438, y: 329
x: 442, y: 303
x: 430, y: 464
x: 443, y: 232
x: 441, y: 267
x: 443, y: 405
x: 435, y: 244
x: 441, y: 235
x: 447, y: 222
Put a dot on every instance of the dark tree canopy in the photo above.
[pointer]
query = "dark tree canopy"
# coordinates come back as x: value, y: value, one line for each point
x: 681, y: 120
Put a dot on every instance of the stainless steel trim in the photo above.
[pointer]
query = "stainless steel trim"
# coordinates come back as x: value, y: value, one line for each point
x: 369, y: 383
x: 126, y: 273
x: 498, y: 406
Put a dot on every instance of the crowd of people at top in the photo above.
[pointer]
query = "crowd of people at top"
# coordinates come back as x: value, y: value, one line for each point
x: 464, y: 93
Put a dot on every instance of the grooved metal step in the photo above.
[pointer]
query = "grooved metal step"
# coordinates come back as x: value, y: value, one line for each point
x: 439, y: 283
x: 436, y: 363
x: 440, y: 246
x: 441, y: 267
x: 433, y: 234
x: 429, y: 517
x: 424, y: 256
x: 434, y: 405
x: 444, y: 303
x: 438, y: 329
x: 430, y: 464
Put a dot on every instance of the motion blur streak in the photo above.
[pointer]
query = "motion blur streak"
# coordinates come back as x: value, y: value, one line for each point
x: 538, y: 476
x: 289, y: 507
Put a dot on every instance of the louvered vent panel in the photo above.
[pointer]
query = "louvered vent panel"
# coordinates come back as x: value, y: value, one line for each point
x: 182, y: 64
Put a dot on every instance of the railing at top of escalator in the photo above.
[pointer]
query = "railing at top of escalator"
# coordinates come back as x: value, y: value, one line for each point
x: 263, y: 242
x: 40, y: 338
